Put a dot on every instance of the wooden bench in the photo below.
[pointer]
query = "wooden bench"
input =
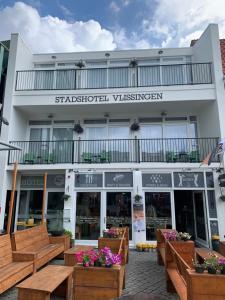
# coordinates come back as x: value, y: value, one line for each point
x: 161, y: 245
x: 13, y: 267
x: 41, y: 285
x: 182, y: 278
x: 35, y: 241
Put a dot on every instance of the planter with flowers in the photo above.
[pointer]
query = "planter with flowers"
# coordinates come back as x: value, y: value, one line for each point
x: 98, y: 275
x: 212, y: 264
x: 221, y: 264
x: 113, y: 240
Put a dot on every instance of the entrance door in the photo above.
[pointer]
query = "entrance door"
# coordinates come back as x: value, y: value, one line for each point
x: 88, y: 215
x: 118, y: 210
x: 55, y: 207
x: 157, y: 213
x: 200, y: 218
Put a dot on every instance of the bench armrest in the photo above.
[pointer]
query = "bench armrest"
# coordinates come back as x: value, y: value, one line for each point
x: 24, y: 256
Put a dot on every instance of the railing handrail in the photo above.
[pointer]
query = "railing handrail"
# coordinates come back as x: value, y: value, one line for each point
x: 128, y: 139
x: 113, y: 67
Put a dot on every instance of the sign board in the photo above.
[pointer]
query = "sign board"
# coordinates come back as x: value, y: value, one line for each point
x: 37, y: 181
x: 88, y: 180
x: 188, y: 179
x: 156, y: 180
x: 138, y: 217
x: 118, y: 179
x: 109, y: 98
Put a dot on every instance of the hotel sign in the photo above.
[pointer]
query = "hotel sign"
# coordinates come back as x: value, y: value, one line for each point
x: 37, y: 181
x: 110, y: 98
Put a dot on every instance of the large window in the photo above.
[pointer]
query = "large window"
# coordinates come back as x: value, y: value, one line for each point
x: 151, y: 150
x: 119, y: 144
x: 157, y: 213
x: 39, y: 145
x: 30, y: 206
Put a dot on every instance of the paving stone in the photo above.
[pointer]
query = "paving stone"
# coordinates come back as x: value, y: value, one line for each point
x: 143, y: 275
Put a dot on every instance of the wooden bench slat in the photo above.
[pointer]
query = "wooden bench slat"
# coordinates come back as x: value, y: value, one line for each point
x: 178, y: 283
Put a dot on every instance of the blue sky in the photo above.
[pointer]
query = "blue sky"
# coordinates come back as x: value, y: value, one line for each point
x: 80, y: 25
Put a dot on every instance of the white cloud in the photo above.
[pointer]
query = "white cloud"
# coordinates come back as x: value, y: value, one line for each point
x: 51, y: 34
x: 176, y: 22
x: 114, y: 7
x: 133, y: 41
x: 125, y: 2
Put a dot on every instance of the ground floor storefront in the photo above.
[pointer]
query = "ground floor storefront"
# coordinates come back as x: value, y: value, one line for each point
x: 88, y: 201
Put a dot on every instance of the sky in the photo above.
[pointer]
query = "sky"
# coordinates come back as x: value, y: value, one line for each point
x: 86, y: 25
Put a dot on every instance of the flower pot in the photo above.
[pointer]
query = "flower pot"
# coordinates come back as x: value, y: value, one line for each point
x: 211, y: 270
x: 215, y: 245
x: 199, y: 269
x: 108, y: 266
x: 97, y: 263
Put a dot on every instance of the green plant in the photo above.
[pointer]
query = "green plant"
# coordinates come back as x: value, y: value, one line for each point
x: 211, y: 263
x: 183, y: 236
x: 68, y: 233
x: 222, y: 197
x: 66, y: 197
x: 199, y: 268
x: 137, y: 198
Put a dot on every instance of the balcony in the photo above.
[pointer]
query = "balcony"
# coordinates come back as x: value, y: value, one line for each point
x: 119, y: 77
x: 181, y: 150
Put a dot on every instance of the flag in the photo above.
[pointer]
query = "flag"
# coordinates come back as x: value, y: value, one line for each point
x: 219, y: 149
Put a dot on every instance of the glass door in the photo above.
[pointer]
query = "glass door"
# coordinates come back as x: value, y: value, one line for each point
x: 38, y: 145
x: 120, y: 147
x: 200, y: 218
x: 118, y: 210
x: 55, y: 209
x: 157, y: 213
x: 62, y: 146
x: 88, y: 215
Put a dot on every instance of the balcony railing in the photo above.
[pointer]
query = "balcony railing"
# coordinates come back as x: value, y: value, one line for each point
x: 119, y: 77
x: 112, y: 151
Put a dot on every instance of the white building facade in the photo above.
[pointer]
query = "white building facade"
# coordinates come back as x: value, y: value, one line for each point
x: 121, y: 135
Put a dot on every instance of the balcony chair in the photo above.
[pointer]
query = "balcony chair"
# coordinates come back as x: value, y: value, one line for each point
x: 194, y: 156
x: 105, y: 157
x: 87, y: 157
x: 29, y: 158
x: 171, y: 157
x: 50, y: 158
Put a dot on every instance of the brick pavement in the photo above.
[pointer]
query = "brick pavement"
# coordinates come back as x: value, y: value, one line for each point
x: 142, y: 275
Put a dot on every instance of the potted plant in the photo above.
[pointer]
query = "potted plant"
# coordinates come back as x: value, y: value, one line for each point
x: 133, y: 63
x: 183, y: 236
x: 78, y: 129
x: 211, y: 263
x: 30, y: 221
x: 70, y: 235
x: 66, y: 197
x: 222, y: 197
x: 137, y: 198
x: 110, y: 233
x: 80, y: 64
x: 215, y: 242
x: 221, y: 263
x: 135, y: 126
x: 199, y: 268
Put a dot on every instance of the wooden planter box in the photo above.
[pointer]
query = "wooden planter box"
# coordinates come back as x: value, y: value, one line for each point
x: 63, y: 239
x: 114, y: 245
x: 97, y: 283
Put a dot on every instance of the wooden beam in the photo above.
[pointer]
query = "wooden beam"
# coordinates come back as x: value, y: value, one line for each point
x: 12, y: 196
x: 44, y: 199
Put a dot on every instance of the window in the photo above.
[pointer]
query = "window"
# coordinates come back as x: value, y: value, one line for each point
x: 62, y: 148
x: 65, y: 79
x: 43, y: 80
x: 39, y: 144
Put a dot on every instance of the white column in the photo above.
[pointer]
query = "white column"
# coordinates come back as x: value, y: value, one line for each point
x: 140, y: 235
x: 69, y: 205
